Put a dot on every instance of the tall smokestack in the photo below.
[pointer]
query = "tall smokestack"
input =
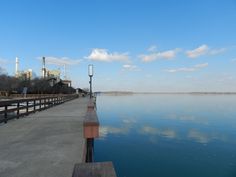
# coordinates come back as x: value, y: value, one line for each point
x: 65, y: 77
x: 17, y: 67
x: 44, y: 68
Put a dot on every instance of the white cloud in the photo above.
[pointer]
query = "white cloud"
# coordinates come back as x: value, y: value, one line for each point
x: 203, y: 65
x: 129, y: 67
x: 167, y: 55
x: 201, y: 50
x: 217, y: 51
x: 60, y: 61
x: 148, y: 75
x: 224, y: 78
x: 3, y: 61
x: 2, y: 70
x: 181, y: 70
x: 204, y: 50
x: 104, y: 55
x: 152, y: 48
x: 233, y: 60
x: 148, y: 58
x: 190, y: 69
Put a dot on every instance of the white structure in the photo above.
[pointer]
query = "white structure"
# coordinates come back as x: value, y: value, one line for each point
x: 44, y: 68
x: 17, y: 67
x: 65, y: 72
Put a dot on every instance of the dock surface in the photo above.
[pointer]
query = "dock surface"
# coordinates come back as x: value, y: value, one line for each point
x: 45, y: 144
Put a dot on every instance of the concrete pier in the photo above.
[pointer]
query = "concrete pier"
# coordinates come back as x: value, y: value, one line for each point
x: 44, y: 144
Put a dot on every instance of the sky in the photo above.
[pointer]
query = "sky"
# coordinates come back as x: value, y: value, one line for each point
x: 134, y: 45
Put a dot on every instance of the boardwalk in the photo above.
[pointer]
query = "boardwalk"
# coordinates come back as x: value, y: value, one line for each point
x: 44, y: 144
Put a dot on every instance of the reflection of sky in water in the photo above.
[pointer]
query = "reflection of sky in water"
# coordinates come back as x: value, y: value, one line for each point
x: 168, y: 135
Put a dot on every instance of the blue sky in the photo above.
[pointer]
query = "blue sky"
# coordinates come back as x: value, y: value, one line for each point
x: 134, y: 45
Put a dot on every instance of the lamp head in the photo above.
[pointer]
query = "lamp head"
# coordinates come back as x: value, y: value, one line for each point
x: 90, y: 70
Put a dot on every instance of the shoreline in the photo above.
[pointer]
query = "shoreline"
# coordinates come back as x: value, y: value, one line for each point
x: 165, y: 93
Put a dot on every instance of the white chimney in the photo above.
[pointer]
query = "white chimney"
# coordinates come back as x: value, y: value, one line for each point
x: 17, y: 67
x: 65, y: 77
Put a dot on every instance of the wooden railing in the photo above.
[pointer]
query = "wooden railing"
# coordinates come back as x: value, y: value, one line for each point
x: 11, y: 109
x: 91, y: 131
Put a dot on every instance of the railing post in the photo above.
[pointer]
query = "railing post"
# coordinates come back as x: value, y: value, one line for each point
x: 40, y: 104
x: 34, y: 105
x: 90, y: 150
x: 5, y: 115
x: 27, y: 107
x: 51, y: 102
x: 18, y: 110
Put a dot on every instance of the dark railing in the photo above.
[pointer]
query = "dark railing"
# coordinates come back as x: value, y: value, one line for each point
x: 11, y: 109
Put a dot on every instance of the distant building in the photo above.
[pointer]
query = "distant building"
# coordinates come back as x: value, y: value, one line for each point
x: 54, y: 73
x: 25, y: 75
x: 67, y: 82
x: 29, y: 74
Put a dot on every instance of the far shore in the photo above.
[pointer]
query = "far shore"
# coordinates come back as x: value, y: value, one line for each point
x: 192, y: 93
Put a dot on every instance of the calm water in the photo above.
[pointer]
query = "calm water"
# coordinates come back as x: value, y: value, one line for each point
x: 168, y: 135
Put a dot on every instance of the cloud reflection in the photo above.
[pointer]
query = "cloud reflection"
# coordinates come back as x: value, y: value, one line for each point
x: 153, y: 133
x: 199, y: 136
x: 168, y: 133
x: 105, y: 130
x: 204, y: 138
x: 193, y: 135
x: 129, y: 121
x: 189, y: 118
x: 149, y: 130
x: 124, y: 128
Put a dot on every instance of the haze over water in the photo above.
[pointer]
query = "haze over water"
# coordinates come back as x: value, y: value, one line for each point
x: 168, y: 135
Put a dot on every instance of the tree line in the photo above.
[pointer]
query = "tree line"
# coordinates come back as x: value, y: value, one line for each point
x: 12, y: 85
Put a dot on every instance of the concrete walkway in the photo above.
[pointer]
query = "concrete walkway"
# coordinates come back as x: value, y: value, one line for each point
x: 44, y: 144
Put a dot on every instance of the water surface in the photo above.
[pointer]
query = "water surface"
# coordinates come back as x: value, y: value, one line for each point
x: 168, y: 135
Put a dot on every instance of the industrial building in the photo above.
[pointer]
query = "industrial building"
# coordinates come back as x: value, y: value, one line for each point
x: 24, y: 75
x: 52, y: 76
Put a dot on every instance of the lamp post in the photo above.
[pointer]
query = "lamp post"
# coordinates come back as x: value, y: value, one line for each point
x: 90, y: 74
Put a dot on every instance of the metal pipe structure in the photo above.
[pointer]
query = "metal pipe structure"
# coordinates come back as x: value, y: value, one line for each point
x: 90, y: 73
x: 90, y: 82
x: 43, y: 68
